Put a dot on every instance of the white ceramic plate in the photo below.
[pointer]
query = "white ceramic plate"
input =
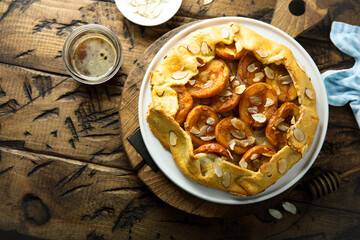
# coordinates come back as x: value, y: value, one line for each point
x: 169, y: 9
x: 163, y: 157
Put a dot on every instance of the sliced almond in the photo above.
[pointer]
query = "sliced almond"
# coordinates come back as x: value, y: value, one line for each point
x: 194, y: 131
x: 225, y: 93
x: 267, y: 167
x: 235, y: 27
x: 223, y: 99
x: 238, y: 124
x: 269, y: 73
x: 225, y: 32
x: 238, y: 46
x: 238, y: 134
x: 255, y: 100
x: 193, y: 48
x: 232, y: 144
x: 243, y: 163
x: 289, y: 207
x: 259, y: 117
x: 207, y: 138
x: 275, y: 213
x: 210, y: 121
x: 254, y: 156
x: 203, y: 130
x: 172, y: 138
x: 258, y: 77
x: 283, y: 126
x: 236, y: 83
x: 269, y: 102
x: 251, y: 140
x: 226, y: 180
x: 293, y: 120
x: 245, y: 142
x: 179, y: 75
x: 252, y: 68
x: 282, y: 165
x: 268, y: 154
x: 278, y: 121
x: 205, y: 48
x: 279, y: 56
x: 299, y: 134
x: 231, y: 78
x: 192, y: 82
x: 253, y: 110
x: 278, y: 92
x: 240, y: 89
x: 308, y: 93
x: 285, y: 80
x: 262, y: 53
x: 217, y: 170
x: 200, y: 61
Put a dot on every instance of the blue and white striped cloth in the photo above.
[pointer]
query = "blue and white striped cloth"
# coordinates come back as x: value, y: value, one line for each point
x: 343, y: 86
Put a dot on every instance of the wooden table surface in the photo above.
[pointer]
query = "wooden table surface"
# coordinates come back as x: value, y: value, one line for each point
x: 64, y: 173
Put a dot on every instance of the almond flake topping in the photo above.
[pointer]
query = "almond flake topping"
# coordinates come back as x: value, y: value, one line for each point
x: 259, y: 117
x: 194, y: 131
x: 283, y: 126
x: 246, y: 142
x: 225, y: 93
x: 217, y: 170
x: 236, y: 83
x: 282, y: 165
x: 203, y: 130
x: 205, y: 48
x: 240, y: 89
x: 226, y: 180
x: 225, y: 32
x: 237, y: 124
x: 238, y: 46
x: 278, y: 121
x: 278, y: 56
x: 275, y: 213
x: 308, y: 93
x: 243, y: 163
x: 255, y: 100
x: 269, y: 73
x: 207, y: 138
x: 231, y: 78
x: 289, y: 207
x: 172, y: 138
x: 285, y: 80
x: 267, y: 167
x: 262, y: 53
x: 269, y: 102
x: 253, y: 110
x: 238, y: 134
x: 293, y: 120
x: 232, y: 144
x: 179, y: 75
x: 210, y: 121
x: 192, y: 82
x: 268, y: 154
x: 254, y: 156
x: 258, y: 77
x: 193, y: 48
x: 299, y: 134
x: 252, y: 68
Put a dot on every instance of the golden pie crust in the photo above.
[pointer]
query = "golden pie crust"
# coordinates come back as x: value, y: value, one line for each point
x: 243, y: 174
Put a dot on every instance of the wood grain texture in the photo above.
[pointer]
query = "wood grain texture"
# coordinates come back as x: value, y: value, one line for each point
x: 50, y: 190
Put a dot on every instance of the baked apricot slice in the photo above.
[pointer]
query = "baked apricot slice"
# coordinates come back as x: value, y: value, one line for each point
x: 185, y: 102
x: 279, y: 79
x: 257, y: 104
x: 211, y: 79
x: 285, y: 116
x: 229, y: 52
x: 214, y: 148
x: 256, y: 156
x: 228, y: 98
x: 200, y: 124
x: 250, y: 69
x: 234, y: 134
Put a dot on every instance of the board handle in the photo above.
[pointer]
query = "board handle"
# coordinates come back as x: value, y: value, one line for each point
x: 297, y: 16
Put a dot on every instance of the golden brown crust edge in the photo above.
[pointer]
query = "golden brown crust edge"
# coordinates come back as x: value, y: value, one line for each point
x: 164, y: 105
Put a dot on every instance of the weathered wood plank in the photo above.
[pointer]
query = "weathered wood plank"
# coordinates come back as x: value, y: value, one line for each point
x: 56, y: 115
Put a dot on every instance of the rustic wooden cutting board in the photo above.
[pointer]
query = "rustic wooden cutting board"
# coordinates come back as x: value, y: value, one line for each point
x: 293, y: 17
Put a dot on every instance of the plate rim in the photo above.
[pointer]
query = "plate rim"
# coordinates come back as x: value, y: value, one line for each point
x: 321, y: 130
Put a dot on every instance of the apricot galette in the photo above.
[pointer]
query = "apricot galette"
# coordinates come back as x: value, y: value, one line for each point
x: 234, y: 108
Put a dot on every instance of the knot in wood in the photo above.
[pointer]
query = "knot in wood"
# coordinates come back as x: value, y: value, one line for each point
x: 35, y: 211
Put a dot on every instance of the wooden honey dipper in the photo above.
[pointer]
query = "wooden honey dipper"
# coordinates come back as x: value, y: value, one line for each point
x: 327, y: 182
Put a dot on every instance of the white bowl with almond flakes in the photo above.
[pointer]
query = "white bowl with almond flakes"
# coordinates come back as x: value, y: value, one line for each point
x: 148, y: 12
x: 164, y: 159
